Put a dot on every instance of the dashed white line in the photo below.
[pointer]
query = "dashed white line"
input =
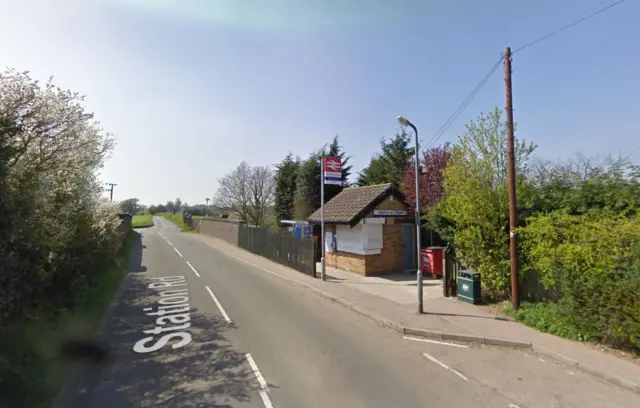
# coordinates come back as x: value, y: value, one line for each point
x: 443, y: 365
x: 168, y: 242
x: 513, y: 406
x: 215, y: 299
x: 193, y: 269
x: 263, y: 384
x: 443, y: 343
x: 178, y: 252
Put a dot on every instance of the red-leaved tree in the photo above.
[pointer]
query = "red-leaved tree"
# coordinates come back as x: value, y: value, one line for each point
x: 432, y: 162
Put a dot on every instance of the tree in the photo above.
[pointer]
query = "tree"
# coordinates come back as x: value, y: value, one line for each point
x: 56, y: 233
x: 262, y: 192
x: 432, y: 164
x: 397, y: 152
x: 234, y: 192
x: 248, y: 191
x: 160, y: 208
x: 390, y: 165
x: 307, y: 198
x: 374, y: 173
x: 582, y: 185
x: 177, y: 205
x: 170, y: 207
x: 129, y: 205
x: 475, y: 204
x: 286, y: 178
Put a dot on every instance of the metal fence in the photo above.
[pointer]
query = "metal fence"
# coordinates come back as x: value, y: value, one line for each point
x: 279, y: 246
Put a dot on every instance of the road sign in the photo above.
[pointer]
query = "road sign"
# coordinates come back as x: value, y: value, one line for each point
x: 333, y: 171
x: 186, y: 217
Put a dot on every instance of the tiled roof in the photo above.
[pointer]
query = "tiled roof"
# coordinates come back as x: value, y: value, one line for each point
x: 349, y: 203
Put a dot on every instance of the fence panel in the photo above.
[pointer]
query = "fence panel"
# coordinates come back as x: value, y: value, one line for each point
x: 279, y: 246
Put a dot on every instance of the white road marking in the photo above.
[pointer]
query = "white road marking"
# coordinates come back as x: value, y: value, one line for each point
x: 256, y: 371
x: 444, y: 343
x: 443, y: 365
x: 513, y: 406
x: 193, y: 269
x: 265, y: 399
x: 263, y: 384
x: 215, y: 299
x: 178, y: 252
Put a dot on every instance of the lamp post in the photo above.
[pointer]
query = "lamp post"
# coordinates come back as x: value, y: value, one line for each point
x: 404, y: 122
x: 206, y: 208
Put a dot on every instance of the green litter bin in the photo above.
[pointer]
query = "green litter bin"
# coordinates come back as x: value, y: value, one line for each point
x: 469, y: 289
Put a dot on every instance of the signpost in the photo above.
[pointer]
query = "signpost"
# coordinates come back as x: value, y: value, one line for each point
x: 331, y: 173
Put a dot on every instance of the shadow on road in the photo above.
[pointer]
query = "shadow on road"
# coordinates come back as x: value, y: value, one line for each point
x: 135, y: 262
x: 207, y: 372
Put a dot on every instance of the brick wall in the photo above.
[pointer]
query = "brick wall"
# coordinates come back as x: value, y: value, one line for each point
x: 391, y: 258
x: 222, y: 228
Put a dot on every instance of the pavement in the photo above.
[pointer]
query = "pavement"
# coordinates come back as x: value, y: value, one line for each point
x: 448, y: 318
x: 201, y: 323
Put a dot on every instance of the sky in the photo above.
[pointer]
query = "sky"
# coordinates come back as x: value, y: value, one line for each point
x: 190, y: 88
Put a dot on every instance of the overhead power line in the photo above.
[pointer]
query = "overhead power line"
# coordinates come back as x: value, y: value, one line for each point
x: 559, y: 30
x: 477, y: 89
x: 464, y: 104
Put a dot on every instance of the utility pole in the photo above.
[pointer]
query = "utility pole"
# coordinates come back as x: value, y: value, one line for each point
x: 511, y: 180
x: 206, y: 208
x: 110, y: 190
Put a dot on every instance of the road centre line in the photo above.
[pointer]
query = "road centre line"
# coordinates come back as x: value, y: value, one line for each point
x: 443, y: 365
x: 193, y: 269
x: 215, y: 299
x: 178, y: 252
x: 263, y: 384
x: 443, y: 343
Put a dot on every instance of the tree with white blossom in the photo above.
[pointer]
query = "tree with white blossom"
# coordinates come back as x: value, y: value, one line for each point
x: 55, y: 230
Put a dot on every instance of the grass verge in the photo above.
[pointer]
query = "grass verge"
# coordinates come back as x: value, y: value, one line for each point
x: 142, y: 221
x: 31, y: 372
x: 546, y: 317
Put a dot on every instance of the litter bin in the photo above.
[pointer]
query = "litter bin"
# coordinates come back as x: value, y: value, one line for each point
x: 469, y: 289
x: 432, y: 261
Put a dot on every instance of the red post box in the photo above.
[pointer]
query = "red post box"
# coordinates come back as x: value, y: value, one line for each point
x: 432, y: 261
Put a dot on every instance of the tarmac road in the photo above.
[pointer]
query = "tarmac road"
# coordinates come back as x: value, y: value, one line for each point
x: 194, y: 327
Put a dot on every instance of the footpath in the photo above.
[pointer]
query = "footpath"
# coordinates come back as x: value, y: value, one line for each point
x: 391, y: 301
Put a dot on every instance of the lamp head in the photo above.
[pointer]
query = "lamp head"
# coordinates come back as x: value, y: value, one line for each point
x: 403, y: 121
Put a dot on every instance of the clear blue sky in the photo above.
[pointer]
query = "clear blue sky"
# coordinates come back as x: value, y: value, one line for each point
x: 191, y: 88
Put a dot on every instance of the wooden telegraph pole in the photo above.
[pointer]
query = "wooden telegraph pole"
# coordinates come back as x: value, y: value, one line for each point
x: 511, y: 179
x: 110, y: 190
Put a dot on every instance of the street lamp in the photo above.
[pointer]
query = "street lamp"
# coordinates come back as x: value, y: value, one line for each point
x: 206, y: 208
x: 404, y: 122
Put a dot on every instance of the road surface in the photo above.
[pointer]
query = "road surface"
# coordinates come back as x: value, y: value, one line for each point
x: 194, y: 327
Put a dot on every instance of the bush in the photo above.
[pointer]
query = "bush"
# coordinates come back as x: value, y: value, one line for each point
x: 475, y: 208
x: 54, y: 230
x: 591, y: 265
x: 548, y: 317
x: 56, y: 234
